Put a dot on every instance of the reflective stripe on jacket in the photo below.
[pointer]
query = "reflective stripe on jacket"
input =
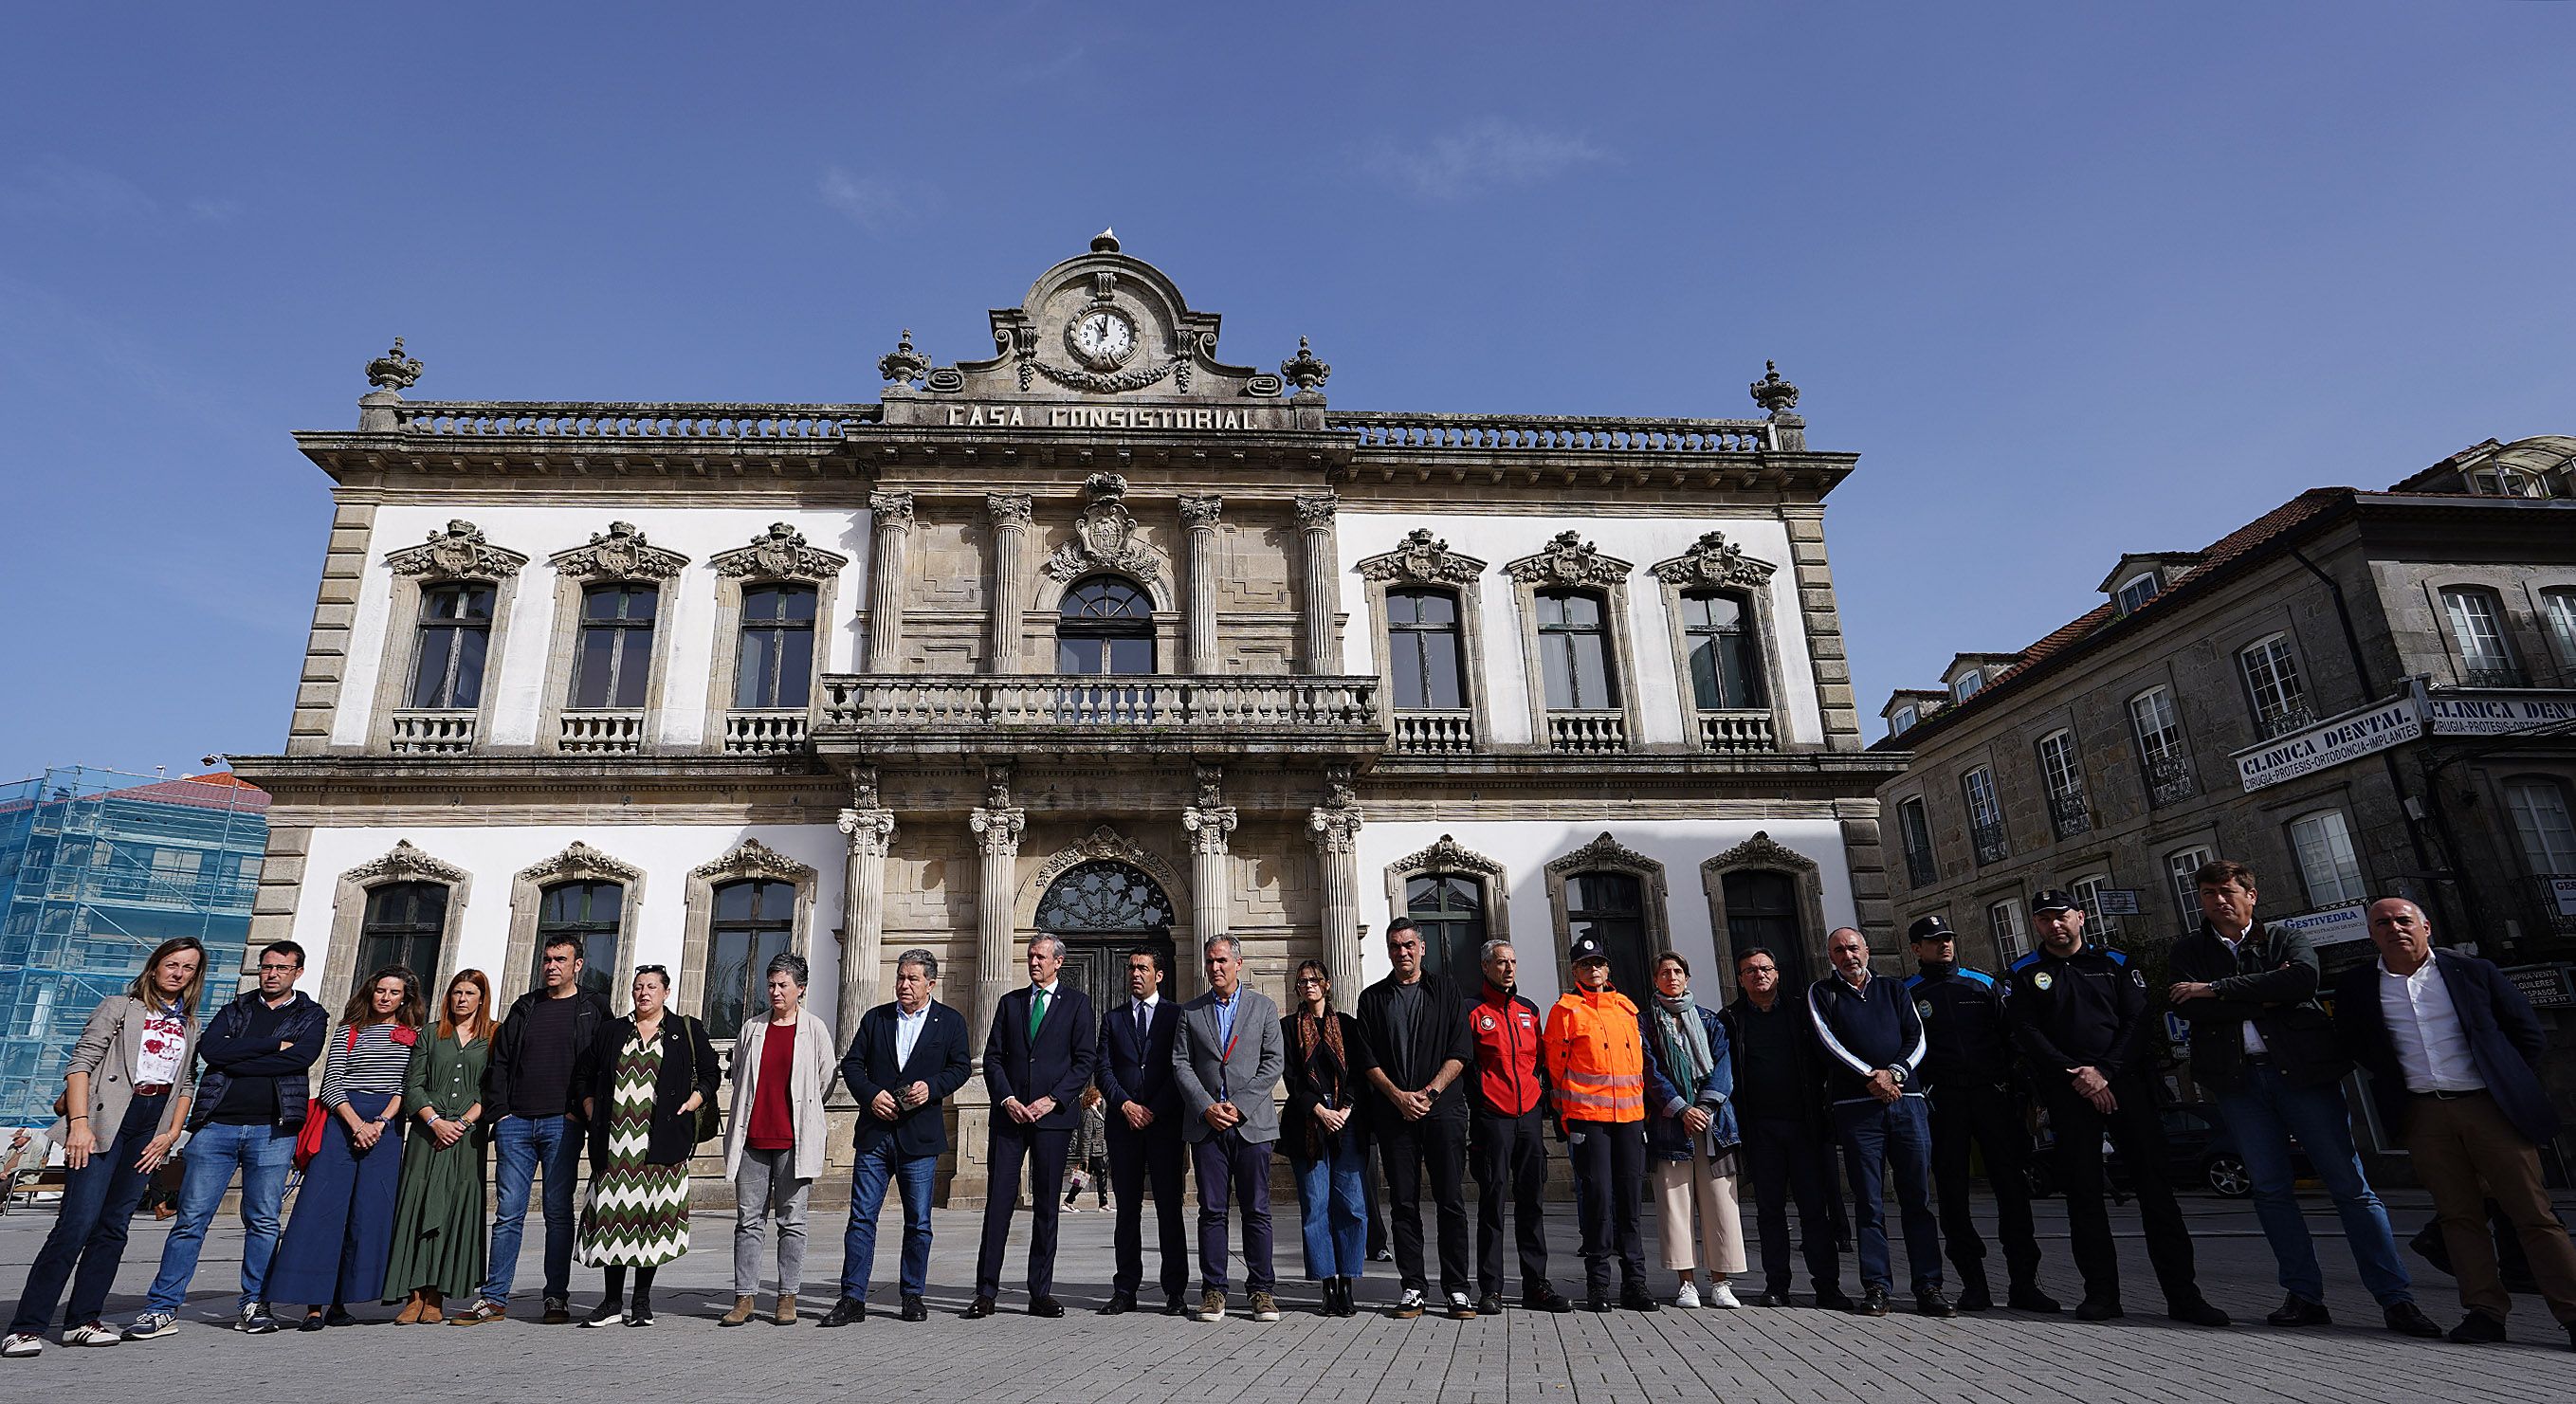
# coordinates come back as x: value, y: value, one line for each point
x: 1596, y: 1057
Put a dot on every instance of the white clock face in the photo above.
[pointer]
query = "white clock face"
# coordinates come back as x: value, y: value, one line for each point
x: 1104, y: 337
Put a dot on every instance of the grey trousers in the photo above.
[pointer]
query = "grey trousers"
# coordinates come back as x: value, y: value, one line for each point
x: 765, y: 1188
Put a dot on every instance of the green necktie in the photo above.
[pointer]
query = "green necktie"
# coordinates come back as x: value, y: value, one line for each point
x: 1037, y: 1011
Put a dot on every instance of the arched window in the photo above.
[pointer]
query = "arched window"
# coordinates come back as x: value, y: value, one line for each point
x: 1725, y: 659
x: 1762, y: 910
x: 774, y: 659
x: 1449, y: 908
x: 1104, y: 897
x: 615, y: 656
x: 587, y: 912
x: 1611, y: 908
x: 402, y: 927
x: 1574, y: 652
x: 755, y: 920
x: 454, y: 632
x: 1107, y: 627
x: 1423, y: 650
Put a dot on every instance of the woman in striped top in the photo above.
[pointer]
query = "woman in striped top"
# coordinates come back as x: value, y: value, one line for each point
x: 337, y: 1243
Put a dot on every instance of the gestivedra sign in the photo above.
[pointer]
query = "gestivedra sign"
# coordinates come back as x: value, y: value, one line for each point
x: 2331, y: 743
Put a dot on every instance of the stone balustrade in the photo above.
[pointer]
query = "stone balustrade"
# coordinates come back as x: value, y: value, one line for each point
x: 605, y: 420
x: 1554, y: 433
x: 432, y: 733
x: 1291, y: 710
x: 763, y: 733
x: 602, y: 733
x: 1738, y: 732
x: 1587, y: 733
x: 1446, y: 733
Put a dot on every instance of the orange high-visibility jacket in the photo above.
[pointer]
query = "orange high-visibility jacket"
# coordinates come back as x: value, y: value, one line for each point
x: 1596, y: 1057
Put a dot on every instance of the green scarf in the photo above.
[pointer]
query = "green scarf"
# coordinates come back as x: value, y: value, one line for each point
x: 1685, y: 1042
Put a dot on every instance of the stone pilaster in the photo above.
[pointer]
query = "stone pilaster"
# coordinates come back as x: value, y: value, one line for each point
x: 1211, y: 890
x: 1198, y: 516
x: 1321, y: 598
x: 1010, y: 513
x: 892, y: 513
x: 871, y: 832
x: 997, y: 839
x: 1335, y: 828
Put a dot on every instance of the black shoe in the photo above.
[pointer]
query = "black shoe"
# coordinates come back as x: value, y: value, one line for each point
x: 1933, y: 1304
x: 607, y: 1313
x: 843, y: 1312
x: 981, y: 1308
x: 1490, y: 1304
x: 558, y: 1312
x: 912, y: 1309
x: 1832, y: 1299
x: 2299, y: 1311
x: 1635, y: 1297
x: 1597, y: 1302
x: 312, y: 1322
x: 1546, y: 1299
x: 1976, y: 1296
x: 1873, y: 1302
x: 2100, y: 1309
x: 2408, y: 1319
x: 338, y: 1316
x: 1174, y: 1306
x: 1119, y: 1305
x: 2478, y: 1328
x: 1772, y: 1299
x: 2028, y: 1297
x: 1047, y: 1307
x: 2198, y: 1312
x: 641, y: 1314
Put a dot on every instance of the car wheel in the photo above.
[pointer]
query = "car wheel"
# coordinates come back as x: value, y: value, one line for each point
x: 2226, y: 1175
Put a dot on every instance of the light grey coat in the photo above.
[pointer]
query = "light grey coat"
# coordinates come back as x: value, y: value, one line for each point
x: 109, y: 1058
x: 1250, y: 1077
x: 808, y: 1076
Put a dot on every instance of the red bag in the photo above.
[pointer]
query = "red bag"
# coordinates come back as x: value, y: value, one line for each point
x: 308, y: 1142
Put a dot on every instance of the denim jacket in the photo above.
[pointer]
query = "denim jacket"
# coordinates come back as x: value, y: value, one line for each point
x: 222, y: 1057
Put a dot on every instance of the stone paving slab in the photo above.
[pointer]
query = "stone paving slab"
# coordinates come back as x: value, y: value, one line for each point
x: 1798, y: 1354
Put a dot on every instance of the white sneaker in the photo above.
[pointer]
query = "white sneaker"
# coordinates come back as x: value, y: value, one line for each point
x: 1688, y: 1297
x: 1722, y: 1297
x: 21, y: 1347
x: 91, y: 1334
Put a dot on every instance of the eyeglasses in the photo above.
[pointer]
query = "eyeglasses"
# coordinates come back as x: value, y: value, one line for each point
x: 265, y: 968
x: 1760, y: 970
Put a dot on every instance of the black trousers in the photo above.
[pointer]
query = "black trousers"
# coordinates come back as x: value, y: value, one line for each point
x: 1509, y: 1157
x: 1045, y: 1153
x: 1135, y: 1157
x: 1787, y: 1159
x: 1609, y: 1159
x: 1405, y: 1151
x: 1990, y: 1116
x: 2140, y: 1136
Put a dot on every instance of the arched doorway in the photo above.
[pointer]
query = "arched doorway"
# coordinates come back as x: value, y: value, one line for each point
x: 1101, y: 910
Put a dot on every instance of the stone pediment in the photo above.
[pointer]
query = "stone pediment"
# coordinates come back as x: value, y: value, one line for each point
x: 780, y: 553
x: 458, y: 552
x: 1568, y: 560
x: 1714, y: 560
x: 620, y: 553
x: 1422, y: 557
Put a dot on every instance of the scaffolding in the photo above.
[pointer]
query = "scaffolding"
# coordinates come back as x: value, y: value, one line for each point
x: 97, y: 867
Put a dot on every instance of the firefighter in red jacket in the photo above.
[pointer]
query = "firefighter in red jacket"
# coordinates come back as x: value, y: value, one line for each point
x: 1505, y: 1109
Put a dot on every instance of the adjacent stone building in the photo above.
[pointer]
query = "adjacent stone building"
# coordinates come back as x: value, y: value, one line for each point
x: 2358, y: 694
x: 1101, y: 636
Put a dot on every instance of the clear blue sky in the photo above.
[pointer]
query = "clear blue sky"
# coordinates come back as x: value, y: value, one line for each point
x: 2072, y: 279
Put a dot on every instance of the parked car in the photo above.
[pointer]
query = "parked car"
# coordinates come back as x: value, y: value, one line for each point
x: 2200, y: 1152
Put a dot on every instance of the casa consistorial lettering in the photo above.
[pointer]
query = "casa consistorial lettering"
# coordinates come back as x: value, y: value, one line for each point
x: 1176, y: 417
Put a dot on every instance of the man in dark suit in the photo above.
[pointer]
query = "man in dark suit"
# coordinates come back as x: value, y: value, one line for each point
x: 1037, y: 1058
x: 909, y: 1057
x: 2452, y: 1049
x: 1144, y: 1118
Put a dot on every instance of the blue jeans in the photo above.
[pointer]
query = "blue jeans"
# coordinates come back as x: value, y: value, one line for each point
x: 912, y: 1173
x: 1873, y: 1135
x: 2263, y: 1114
x: 1332, y: 1210
x: 88, y: 1237
x: 263, y: 1155
x: 521, y: 1146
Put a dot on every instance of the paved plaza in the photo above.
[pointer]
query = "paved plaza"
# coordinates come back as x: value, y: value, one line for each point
x: 1797, y: 1354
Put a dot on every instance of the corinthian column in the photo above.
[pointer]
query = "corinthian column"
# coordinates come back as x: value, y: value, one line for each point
x: 1209, y: 822
x: 1318, y: 601
x: 1010, y: 512
x: 871, y: 832
x: 997, y: 838
x: 1335, y: 827
x: 1199, y: 514
x: 892, y: 513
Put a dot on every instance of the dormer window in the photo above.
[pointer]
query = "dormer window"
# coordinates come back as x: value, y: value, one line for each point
x: 1967, y: 685
x: 1902, y: 722
x: 2137, y: 590
x: 2507, y: 482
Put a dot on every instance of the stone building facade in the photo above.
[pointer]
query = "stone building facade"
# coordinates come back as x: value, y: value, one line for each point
x: 2358, y: 694
x: 1101, y: 636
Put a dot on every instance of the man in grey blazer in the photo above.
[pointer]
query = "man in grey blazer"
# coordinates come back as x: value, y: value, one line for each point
x: 1227, y: 1063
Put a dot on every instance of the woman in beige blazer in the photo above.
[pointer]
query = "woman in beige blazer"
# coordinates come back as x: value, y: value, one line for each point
x: 782, y: 1062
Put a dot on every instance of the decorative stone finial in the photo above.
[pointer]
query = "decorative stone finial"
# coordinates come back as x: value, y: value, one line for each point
x: 1106, y: 241
x: 1776, y: 396
x: 394, y: 370
x: 903, y: 365
x: 1303, y: 370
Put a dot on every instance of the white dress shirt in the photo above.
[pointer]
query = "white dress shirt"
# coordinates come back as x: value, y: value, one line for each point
x: 2253, y: 1041
x: 2424, y: 1026
x: 907, y: 1031
x: 1143, y: 1010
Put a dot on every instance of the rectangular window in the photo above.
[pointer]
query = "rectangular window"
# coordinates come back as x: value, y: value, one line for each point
x: 1726, y: 671
x: 454, y: 630
x: 614, y: 657
x: 1985, y: 816
x: 1915, y: 827
x: 2087, y: 892
x: 1423, y: 650
x: 774, y: 660
x: 2539, y: 809
x: 2062, y: 771
x: 2323, y: 845
x: 2003, y: 919
x: 1574, y: 653
x: 2179, y: 866
x: 2272, y: 683
x: 2477, y: 626
x: 2559, y: 607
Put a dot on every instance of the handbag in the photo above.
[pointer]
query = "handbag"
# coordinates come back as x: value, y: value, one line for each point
x: 308, y: 1141
x: 708, y: 1120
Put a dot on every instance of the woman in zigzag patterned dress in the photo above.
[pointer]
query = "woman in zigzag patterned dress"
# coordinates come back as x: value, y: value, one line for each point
x: 643, y: 1081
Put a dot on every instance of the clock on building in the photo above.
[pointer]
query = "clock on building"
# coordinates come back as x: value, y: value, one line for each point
x: 1102, y: 338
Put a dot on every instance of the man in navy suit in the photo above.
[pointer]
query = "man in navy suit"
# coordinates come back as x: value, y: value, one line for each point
x: 1144, y: 1131
x: 909, y: 1056
x: 2452, y: 1050
x: 1036, y: 1059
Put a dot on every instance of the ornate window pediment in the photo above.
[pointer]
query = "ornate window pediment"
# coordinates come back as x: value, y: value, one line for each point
x: 1568, y: 560
x: 404, y: 863
x: 580, y: 860
x: 1761, y: 851
x: 779, y: 553
x: 1422, y: 557
x: 1713, y: 560
x: 1605, y: 852
x: 620, y: 553
x: 1448, y: 856
x: 1105, y: 537
x: 456, y: 552
x: 1105, y: 844
x: 753, y: 859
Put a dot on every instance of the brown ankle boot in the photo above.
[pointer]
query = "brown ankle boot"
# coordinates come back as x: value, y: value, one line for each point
x: 742, y: 1310
x: 410, y: 1313
x: 433, y: 1308
x: 786, y: 1309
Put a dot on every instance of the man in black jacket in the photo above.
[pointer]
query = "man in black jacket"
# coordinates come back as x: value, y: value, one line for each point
x: 2453, y: 1051
x: 1780, y: 1111
x: 1872, y: 1042
x: 2266, y: 1050
x: 528, y: 1087
x: 1969, y: 1064
x: 1416, y: 1027
x: 1145, y: 1143
x: 910, y: 1055
x: 1038, y: 1056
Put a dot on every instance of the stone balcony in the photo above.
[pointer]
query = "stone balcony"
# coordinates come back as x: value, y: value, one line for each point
x: 870, y: 714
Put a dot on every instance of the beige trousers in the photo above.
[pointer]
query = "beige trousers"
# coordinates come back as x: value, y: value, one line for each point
x: 1678, y: 1183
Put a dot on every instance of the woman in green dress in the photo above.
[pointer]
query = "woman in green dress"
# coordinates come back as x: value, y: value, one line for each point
x: 438, y: 1212
x: 641, y: 1085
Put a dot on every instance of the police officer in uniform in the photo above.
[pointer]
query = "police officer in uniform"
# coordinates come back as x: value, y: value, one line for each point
x: 2079, y: 1016
x: 1970, y: 1069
